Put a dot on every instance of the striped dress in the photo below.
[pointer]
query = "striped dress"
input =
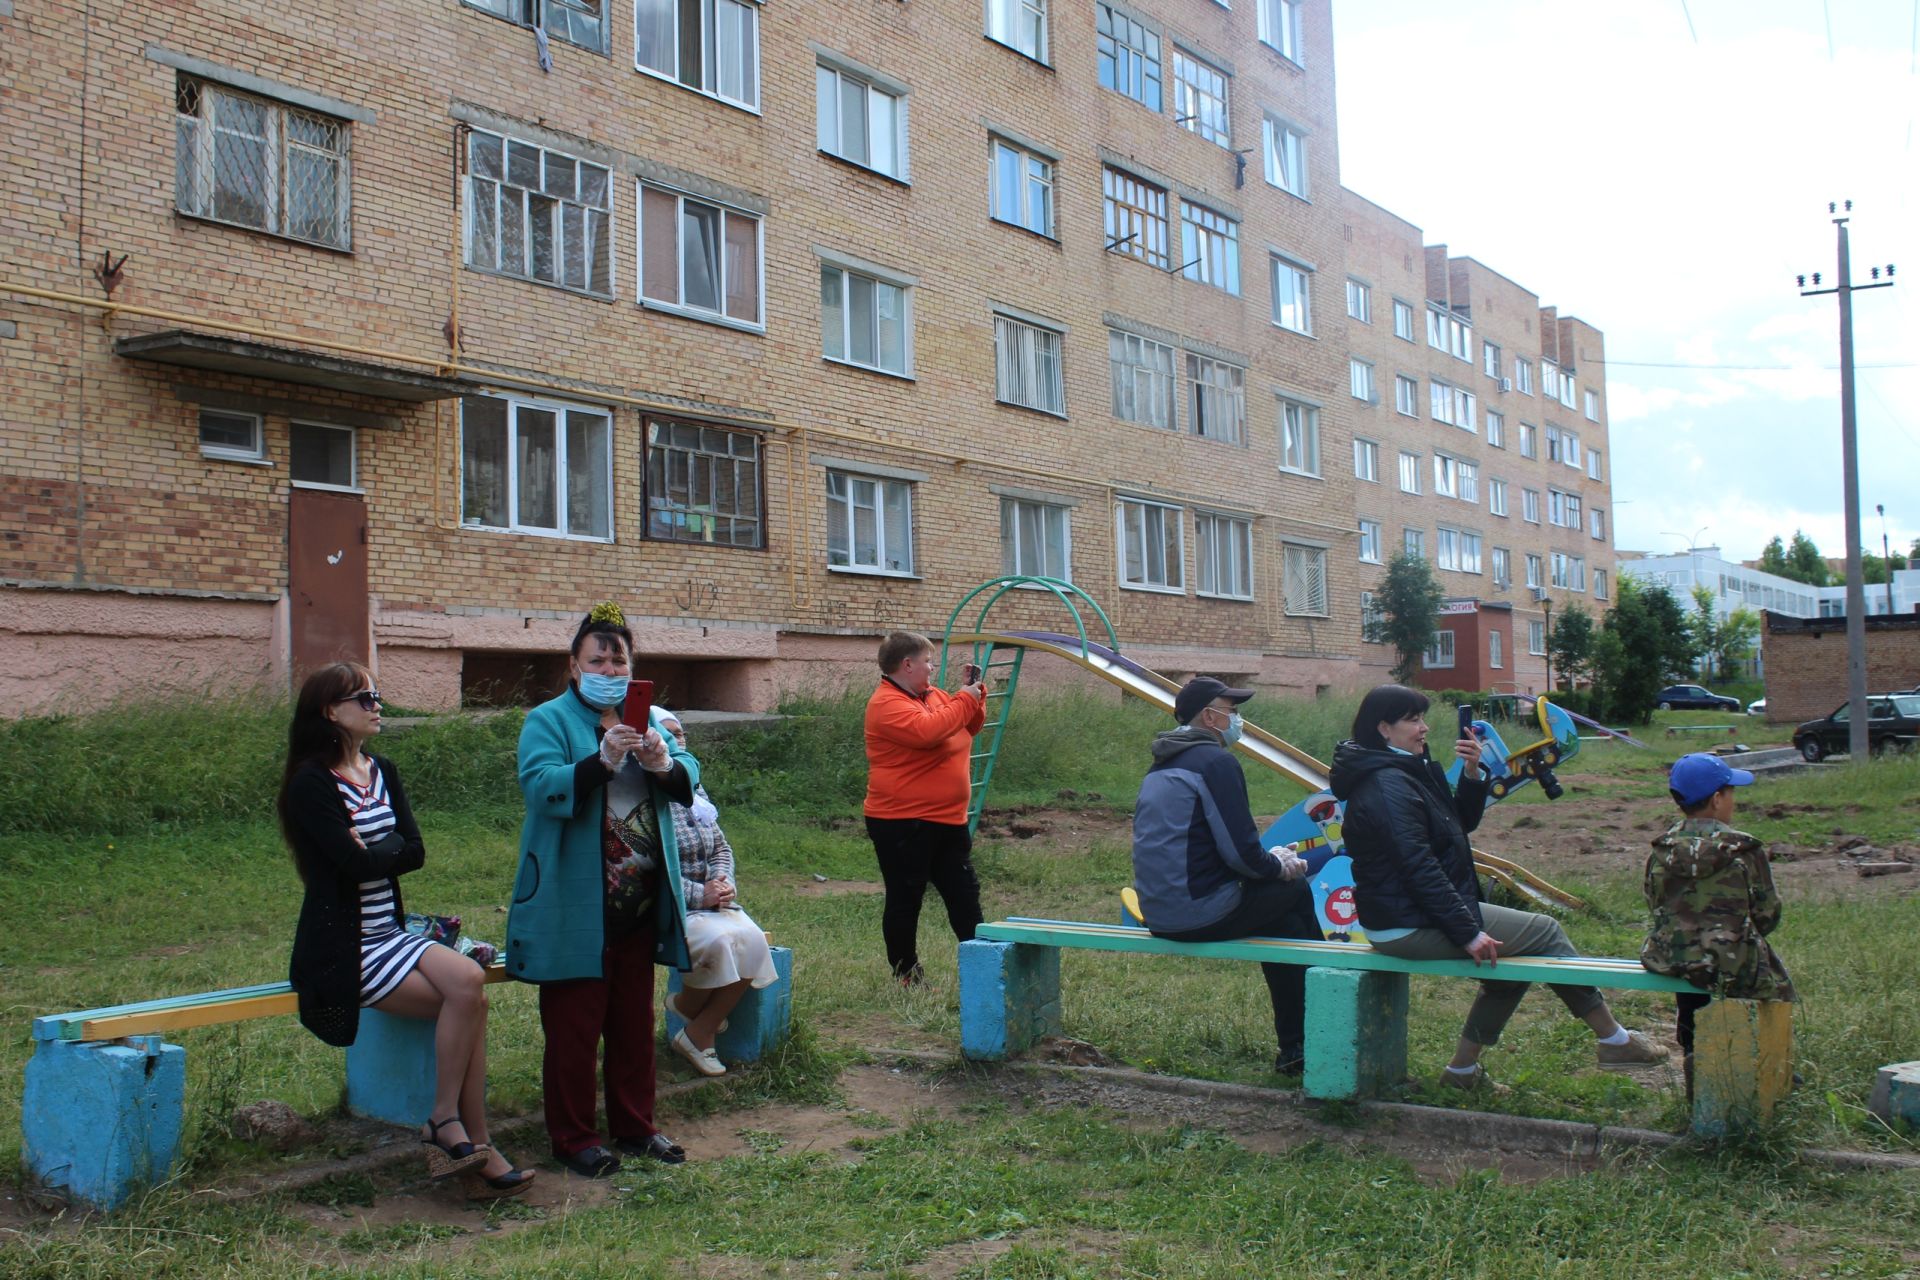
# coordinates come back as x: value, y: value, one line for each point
x: 387, y: 952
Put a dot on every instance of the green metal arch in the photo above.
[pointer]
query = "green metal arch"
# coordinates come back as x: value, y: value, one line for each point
x: 1061, y: 589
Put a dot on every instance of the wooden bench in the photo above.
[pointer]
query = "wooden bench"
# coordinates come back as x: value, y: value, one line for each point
x: 105, y: 1094
x: 1356, y: 1042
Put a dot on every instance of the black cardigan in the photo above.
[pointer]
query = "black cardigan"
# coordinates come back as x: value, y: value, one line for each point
x: 325, y: 970
x: 1407, y: 836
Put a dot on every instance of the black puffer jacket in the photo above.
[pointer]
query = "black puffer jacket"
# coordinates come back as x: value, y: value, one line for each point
x: 1407, y: 836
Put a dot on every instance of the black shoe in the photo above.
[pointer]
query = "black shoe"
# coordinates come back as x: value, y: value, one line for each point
x: 510, y: 1183
x: 590, y: 1162
x: 658, y: 1147
x: 911, y: 976
x: 1289, y: 1062
x: 443, y: 1160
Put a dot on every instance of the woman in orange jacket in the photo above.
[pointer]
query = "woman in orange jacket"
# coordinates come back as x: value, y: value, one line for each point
x: 919, y: 739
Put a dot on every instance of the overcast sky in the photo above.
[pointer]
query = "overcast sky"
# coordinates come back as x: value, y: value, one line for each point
x: 1666, y: 183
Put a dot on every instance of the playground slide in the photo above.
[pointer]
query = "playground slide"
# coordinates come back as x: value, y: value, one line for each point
x: 1313, y: 822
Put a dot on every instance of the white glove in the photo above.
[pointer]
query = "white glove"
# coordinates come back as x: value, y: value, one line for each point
x: 1291, y: 866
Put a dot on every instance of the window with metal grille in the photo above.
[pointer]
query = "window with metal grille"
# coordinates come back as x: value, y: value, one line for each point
x: 1224, y: 552
x: 699, y: 257
x: 1148, y: 539
x: 254, y: 163
x: 578, y: 22
x: 532, y: 466
x: 869, y: 523
x: 1136, y: 216
x: 538, y: 214
x: 1209, y: 247
x: 710, y: 46
x: 1129, y: 56
x: 1304, y: 574
x: 1219, y: 408
x: 703, y: 484
x: 1035, y: 539
x: 1200, y: 98
x: 1142, y: 376
x: 1026, y: 363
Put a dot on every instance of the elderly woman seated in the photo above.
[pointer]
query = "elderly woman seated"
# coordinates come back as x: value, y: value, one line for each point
x: 729, y: 950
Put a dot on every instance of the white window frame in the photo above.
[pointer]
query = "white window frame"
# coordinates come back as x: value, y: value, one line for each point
x: 833, y: 81
x: 905, y: 286
x: 1359, y: 301
x: 1409, y: 472
x: 1299, y: 279
x: 1143, y: 380
x: 1440, y: 654
x: 1015, y: 515
x: 593, y: 225
x: 1446, y: 476
x: 1217, y: 399
x: 723, y: 258
x: 841, y: 507
x: 1496, y: 429
x: 1214, y: 533
x: 1490, y: 359
x: 353, y: 456
x: 734, y: 15
x: 1304, y: 591
x: 1496, y: 495
x: 1209, y: 247
x: 256, y: 423
x: 1366, y: 459
x: 1026, y: 158
x: 1360, y: 380
x: 1201, y: 96
x: 1592, y: 405
x: 561, y: 409
x: 1280, y: 27
x: 1413, y: 541
x: 1471, y: 545
x: 1496, y: 655
x: 1011, y: 22
x: 1283, y: 149
x: 557, y: 18
x: 1529, y: 440
x: 1406, y: 395
x: 1593, y: 464
x: 1403, y: 320
x: 1536, y: 637
x: 1597, y: 523
x: 1299, y: 426
x: 1370, y: 541
x: 1502, y: 566
x: 1599, y: 584
x: 196, y: 139
x: 1446, y: 548
x: 1469, y: 482
x: 1028, y: 364
x: 1174, y: 580
x: 1566, y: 397
x: 1535, y: 569
x: 1523, y: 375
x: 1530, y: 505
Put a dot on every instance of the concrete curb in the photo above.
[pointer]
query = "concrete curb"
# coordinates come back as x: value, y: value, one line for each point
x: 1484, y: 1129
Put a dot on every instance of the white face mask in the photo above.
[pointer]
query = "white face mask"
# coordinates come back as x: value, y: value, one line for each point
x: 1231, y: 734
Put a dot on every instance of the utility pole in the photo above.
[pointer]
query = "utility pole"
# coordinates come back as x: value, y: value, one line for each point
x: 1886, y: 553
x: 1850, y: 477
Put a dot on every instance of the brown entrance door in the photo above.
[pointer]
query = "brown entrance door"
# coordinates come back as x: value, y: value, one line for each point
x: 327, y: 579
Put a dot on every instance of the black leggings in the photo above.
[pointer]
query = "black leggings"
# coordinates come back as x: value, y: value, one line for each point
x: 913, y: 852
x: 1687, y: 1004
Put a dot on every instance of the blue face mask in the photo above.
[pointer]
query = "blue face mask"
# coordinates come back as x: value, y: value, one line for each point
x: 1231, y: 734
x: 603, y: 691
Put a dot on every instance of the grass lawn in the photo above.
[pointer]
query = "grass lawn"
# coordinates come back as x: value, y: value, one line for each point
x: 152, y: 888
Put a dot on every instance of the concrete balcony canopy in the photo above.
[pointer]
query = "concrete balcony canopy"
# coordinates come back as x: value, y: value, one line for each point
x: 191, y: 350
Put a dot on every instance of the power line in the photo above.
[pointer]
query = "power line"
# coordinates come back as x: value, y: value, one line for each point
x: 1689, y: 17
x: 1826, y: 7
x: 1747, y: 368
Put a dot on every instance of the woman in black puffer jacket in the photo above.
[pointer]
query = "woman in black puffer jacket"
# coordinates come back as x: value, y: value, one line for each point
x: 1415, y: 885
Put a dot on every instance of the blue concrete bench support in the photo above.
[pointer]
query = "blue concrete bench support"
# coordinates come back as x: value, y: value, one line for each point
x: 1009, y: 998
x: 99, y: 1120
x: 759, y: 1024
x: 1356, y: 1032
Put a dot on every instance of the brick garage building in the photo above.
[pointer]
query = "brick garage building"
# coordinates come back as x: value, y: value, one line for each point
x: 1806, y: 662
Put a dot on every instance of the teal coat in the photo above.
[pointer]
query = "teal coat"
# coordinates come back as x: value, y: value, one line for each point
x: 556, y: 926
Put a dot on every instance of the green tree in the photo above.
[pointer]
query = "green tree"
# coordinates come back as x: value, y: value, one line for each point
x: 1733, y: 642
x: 1875, y: 570
x: 1644, y: 642
x: 1570, y: 646
x: 1773, y: 559
x: 1703, y: 628
x: 1404, y: 609
x: 1805, y: 563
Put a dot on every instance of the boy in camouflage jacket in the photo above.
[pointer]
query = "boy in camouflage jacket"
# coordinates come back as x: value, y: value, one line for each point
x: 1711, y: 892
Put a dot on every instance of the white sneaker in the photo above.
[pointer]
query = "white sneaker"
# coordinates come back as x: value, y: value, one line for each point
x: 705, y: 1061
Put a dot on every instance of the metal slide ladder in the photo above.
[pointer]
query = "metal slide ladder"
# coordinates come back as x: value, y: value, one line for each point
x: 1002, y: 662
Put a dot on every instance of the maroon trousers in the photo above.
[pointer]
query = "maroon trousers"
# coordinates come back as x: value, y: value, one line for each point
x: 581, y: 1016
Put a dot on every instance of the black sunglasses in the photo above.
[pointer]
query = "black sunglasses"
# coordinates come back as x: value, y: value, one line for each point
x: 369, y: 699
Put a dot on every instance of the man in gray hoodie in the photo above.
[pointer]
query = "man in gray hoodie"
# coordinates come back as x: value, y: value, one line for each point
x: 1197, y: 862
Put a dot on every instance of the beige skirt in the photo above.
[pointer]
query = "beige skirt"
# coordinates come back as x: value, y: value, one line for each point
x: 727, y: 946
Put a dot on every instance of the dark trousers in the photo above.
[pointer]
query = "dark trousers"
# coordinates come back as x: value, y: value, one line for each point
x: 913, y: 852
x: 1272, y: 909
x: 1686, y: 1004
x: 580, y: 1019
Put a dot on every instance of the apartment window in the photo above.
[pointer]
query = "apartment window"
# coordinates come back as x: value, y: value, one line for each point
x: 1200, y: 98
x: 1599, y: 584
x: 1129, y: 56
x: 1496, y: 429
x: 1209, y: 247
x: 1490, y: 359
x: 1370, y: 541
x: 1304, y: 591
x: 1569, y: 572
x: 869, y: 523
x: 1366, y: 460
x: 1533, y: 571
x: 1360, y: 380
x: 865, y: 321
x: 236, y: 437
x: 1406, y: 395
x: 1299, y: 438
x: 1563, y: 509
x: 1142, y: 376
x: 1469, y: 481
x: 1136, y: 217
x: 1550, y: 380
x: 578, y: 22
x: 1285, y: 150
x: 322, y: 457
x: 1530, y: 505
x: 1439, y: 654
x: 1523, y: 375
x: 1536, y: 637
x: 1035, y: 539
x: 1359, y: 302
x: 1469, y: 551
x: 1446, y: 332
x: 1223, y: 553
x: 703, y: 484
x: 1446, y: 476
x: 1446, y: 548
x: 1566, y: 389
x: 1414, y: 542
x: 1529, y: 440
x: 1148, y: 535
x: 260, y: 164
x: 532, y: 466
x: 1593, y: 464
x: 1019, y: 24
x: 1292, y: 299
x: 1022, y: 187
x: 1279, y: 25
x: 1556, y: 445
x: 1219, y: 407
x: 1402, y: 320
x: 710, y: 46
x: 1592, y: 407
x: 1502, y: 567
x: 699, y: 257
x: 861, y: 121
x: 1497, y: 496
x: 538, y: 214
x: 1573, y: 450
x: 1026, y: 366
x: 1597, y: 523
x: 1496, y: 655
x: 1453, y: 406
x: 1409, y: 473
x: 1370, y: 613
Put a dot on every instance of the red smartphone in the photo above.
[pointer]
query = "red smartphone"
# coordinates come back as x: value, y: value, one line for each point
x: 637, y: 711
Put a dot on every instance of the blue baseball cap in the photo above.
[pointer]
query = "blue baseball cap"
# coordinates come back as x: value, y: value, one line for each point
x: 1696, y: 777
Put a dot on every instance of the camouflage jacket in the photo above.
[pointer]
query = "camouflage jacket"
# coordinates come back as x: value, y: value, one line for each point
x: 1711, y: 893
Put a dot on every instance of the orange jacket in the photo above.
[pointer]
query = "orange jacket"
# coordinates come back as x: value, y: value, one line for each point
x: 917, y: 751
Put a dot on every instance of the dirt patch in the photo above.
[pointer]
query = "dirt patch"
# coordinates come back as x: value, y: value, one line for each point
x: 820, y: 887
x: 1063, y: 831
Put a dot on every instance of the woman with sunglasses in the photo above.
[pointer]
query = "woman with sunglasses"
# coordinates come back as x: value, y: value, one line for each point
x: 345, y: 816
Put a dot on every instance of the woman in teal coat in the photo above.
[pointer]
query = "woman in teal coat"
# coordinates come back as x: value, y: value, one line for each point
x: 592, y: 913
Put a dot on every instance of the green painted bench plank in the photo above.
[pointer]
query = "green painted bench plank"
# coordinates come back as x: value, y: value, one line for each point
x: 1589, y: 971
x: 66, y: 1026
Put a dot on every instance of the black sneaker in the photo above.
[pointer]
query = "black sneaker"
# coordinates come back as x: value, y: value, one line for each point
x: 913, y: 976
x: 1289, y: 1062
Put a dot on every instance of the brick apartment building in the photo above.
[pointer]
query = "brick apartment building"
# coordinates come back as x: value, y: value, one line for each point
x: 784, y: 324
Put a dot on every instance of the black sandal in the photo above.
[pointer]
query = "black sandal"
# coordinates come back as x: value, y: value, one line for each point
x: 444, y: 1161
x: 657, y: 1147
x: 510, y: 1183
x: 590, y: 1162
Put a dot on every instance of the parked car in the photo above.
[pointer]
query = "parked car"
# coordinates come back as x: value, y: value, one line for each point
x: 1691, y: 697
x: 1893, y: 723
x: 1758, y: 707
